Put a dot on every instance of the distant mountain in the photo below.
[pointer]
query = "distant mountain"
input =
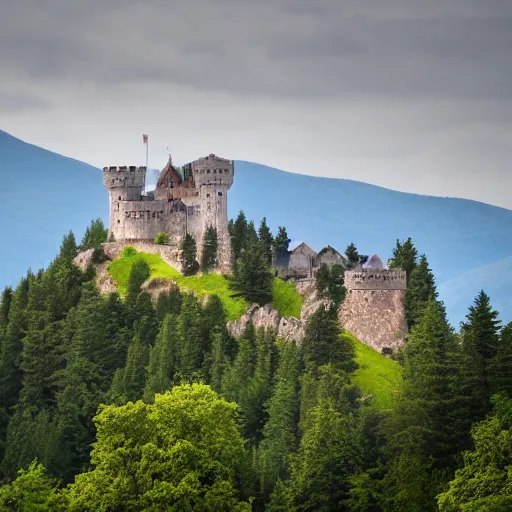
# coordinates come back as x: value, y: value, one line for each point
x: 468, y: 244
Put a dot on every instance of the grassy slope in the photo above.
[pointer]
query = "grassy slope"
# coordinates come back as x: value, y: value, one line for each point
x: 285, y: 298
x: 377, y: 375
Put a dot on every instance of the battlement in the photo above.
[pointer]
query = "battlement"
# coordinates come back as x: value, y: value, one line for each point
x: 123, y: 176
x: 375, y: 279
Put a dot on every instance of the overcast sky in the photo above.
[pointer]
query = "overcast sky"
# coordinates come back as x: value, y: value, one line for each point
x: 413, y: 95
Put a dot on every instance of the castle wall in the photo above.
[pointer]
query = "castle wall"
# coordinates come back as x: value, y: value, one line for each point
x: 373, y: 309
x: 370, y: 279
x: 143, y: 220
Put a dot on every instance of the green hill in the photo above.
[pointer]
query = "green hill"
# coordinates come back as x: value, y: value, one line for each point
x: 285, y: 298
x: 377, y: 375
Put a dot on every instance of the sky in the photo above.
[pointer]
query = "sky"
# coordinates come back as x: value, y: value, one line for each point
x: 408, y: 94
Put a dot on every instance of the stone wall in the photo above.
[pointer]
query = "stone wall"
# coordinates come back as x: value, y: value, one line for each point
x: 375, y: 317
x: 370, y: 279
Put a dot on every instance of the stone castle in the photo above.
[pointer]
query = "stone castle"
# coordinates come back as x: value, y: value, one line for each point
x: 186, y: 199
x: 191, y: 198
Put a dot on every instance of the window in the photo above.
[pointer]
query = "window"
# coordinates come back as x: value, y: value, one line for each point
x: 119, y: 198
x: 207, y: 195
x: 207, y: 171
x: 118, y: 221
x: 220, y: 171
x: 214, y: 171
x: 220, y: 194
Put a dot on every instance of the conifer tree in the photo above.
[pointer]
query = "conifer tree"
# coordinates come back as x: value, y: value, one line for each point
x: 404, y: 257
x: 422, y: 429
x: 420, y: 288
x: 209, y: 254
x: 189, y: 262
x: 251, y: 238
x: 280, y: 433
x: 324, y: 343
x: 238, y: 235
x: 5, y: 305
x: 352, y: 255
x: 191, y: 341
x: 500, y: 366
x: 139, y: 272
x: 281, y: 241
x: 94, y: 235
x: 252, y: 278
x: 480, y: 341
x: 162, y: 359
x: 266, y: 239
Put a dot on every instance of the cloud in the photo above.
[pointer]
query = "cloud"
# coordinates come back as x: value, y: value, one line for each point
x: 288, y: 48
x: 17, y: 101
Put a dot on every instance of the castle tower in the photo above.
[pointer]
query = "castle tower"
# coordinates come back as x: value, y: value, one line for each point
x: 123, y: 184
x: 213, y: 177
x: 373, y: 309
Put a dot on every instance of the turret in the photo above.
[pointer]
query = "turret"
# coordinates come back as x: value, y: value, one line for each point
x: 212, y: 169
x: 123, y: 184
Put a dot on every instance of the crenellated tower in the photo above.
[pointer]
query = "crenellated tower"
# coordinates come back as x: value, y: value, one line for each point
x: 124, y: 183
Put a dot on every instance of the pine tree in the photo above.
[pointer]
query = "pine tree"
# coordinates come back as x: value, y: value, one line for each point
x: 252, y: 278
x: 5, y: 305
x: 251, y: 238
x: 139, y: 272
x: 94, y: 236
x: 281, y: 241
x: 238, y: 235
x: 324, y: 342
x: 209, y: 254
x: 352, y: 255
x: 480, y: 341
x: 404, y: 257
x: 422, y: 431
x: 420, y: 289
x: 266, y: 239
x: 280, y: 433
x: 189, y: 263
x: 191, y: 341
x: 162, y: 359
x: 500, y: 366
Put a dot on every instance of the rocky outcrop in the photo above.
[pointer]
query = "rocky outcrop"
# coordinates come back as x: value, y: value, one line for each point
x: 84, y: 259
x: 269, y: 318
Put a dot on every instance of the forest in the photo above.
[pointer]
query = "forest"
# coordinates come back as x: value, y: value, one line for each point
x: 119, y: 402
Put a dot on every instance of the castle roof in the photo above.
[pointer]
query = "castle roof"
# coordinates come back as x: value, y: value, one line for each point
x: 331, y: 249
x: 305, y: 249
x: 375, y: 263
x: 169, y: 174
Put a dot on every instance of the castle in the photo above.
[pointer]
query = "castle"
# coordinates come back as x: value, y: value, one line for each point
x: 188, y: 199
x: 191, y: 198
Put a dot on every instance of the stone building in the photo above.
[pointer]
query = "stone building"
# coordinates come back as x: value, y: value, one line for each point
x: 330, y: 257
x: 187, y: 199
x: 373, y: 309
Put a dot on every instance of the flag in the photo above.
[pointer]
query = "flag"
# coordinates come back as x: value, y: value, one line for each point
x: 144, y: 139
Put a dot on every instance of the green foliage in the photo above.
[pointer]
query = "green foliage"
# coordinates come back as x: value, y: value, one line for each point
x: 266, y: 240
x: 484, y: 483
x: 32, y: 491
x: 161, y: 238
x: 252, y: 278
x: 352, y: 255
x: 190, y: 265
x: 404, y: 257
x: 420, y: 289
x: 500, y: 366
x: 330, y: 284
x: 281, y: 241
x: 139, y: 272
x: 323, y: 342
x: 238, y: 235
x: 94, y: 236
x: 210, y: 245
x: 180, y: 453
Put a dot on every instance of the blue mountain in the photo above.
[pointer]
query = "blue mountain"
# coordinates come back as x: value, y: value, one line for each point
x: 468, y: 244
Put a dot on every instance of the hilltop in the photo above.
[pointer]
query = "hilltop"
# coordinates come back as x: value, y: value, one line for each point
x: 45, y: 195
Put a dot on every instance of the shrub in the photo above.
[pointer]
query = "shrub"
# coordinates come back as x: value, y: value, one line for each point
x: 129, y: 251
x: 98, y: 255
x: 162, y: 238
